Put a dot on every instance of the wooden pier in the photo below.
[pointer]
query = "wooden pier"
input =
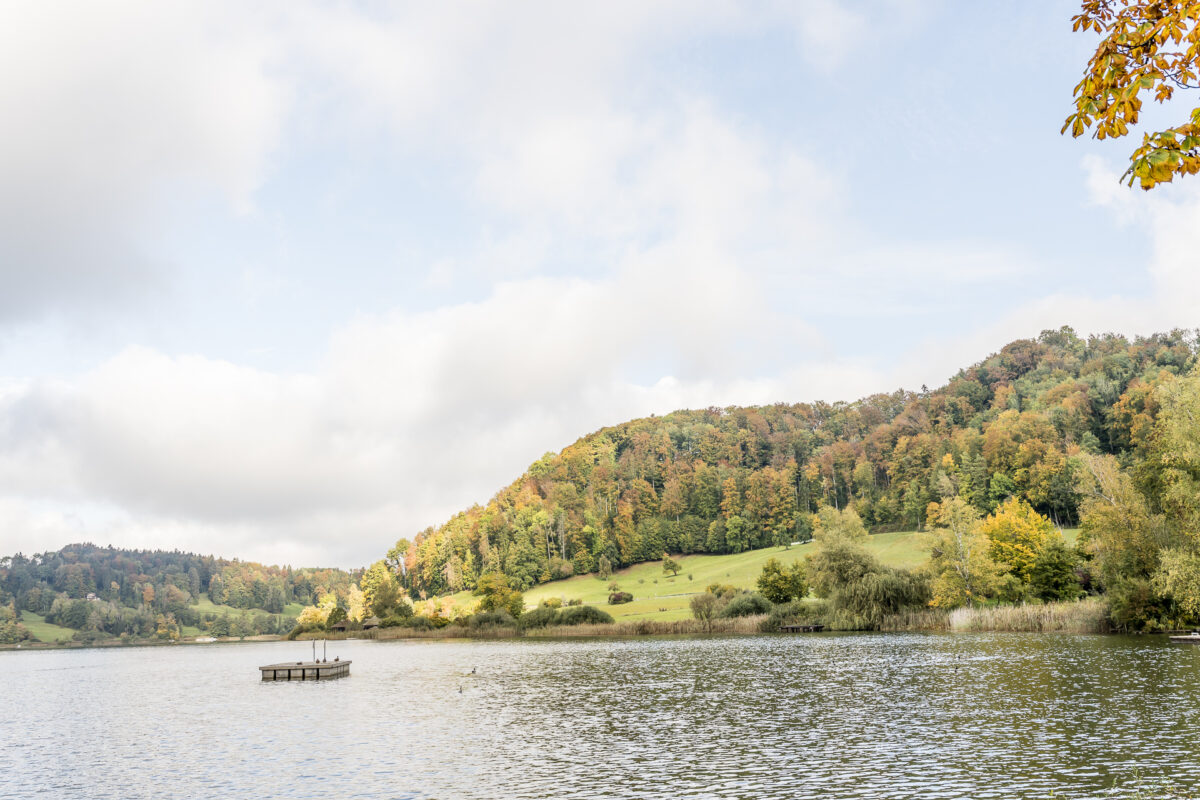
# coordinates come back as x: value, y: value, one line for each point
x: 1187, y: 638
x: 305, y: 670
x: 801, y: 628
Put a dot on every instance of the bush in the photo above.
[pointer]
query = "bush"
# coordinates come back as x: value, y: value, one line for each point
x: 552, y: 602
x: 746, y: 605
x: 492, y: 619
x: 575, y: 601
x: 616, y: 598
x: 399, y: 619
x: 705, y: 606
x: 303, y: 627
x: 538, y: 618
x: 583, y: 615
x: 419, y: 623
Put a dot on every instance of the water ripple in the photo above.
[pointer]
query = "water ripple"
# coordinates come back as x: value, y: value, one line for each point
x: 814, y: 716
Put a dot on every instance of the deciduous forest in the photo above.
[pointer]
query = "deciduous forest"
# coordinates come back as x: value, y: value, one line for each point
x: 1092, y: 433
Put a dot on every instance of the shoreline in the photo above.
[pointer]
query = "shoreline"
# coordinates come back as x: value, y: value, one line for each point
x: 1087, y: 616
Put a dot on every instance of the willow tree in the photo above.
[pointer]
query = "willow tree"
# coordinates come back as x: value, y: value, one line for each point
x: 1148, y: 48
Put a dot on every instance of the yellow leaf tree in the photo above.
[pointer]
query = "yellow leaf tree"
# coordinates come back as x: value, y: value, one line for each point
x: 1147, y: 47
x: 963, y: 572
x: 1017, y: 534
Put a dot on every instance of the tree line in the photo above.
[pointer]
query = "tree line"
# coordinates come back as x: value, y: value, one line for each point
x: 1035, y: 423
x: 104, y: 592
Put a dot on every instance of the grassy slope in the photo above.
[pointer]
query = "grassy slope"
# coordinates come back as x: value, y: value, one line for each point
x: 207, y: 606
x: 45, y: 631
x: 661, y: 597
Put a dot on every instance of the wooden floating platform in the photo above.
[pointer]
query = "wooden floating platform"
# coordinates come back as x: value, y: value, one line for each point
x: 1187, y: 638
x: 801, y: 628
x: 305, y: 670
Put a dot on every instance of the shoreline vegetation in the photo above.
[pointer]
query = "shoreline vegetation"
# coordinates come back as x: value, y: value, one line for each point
x: 1086, y: 616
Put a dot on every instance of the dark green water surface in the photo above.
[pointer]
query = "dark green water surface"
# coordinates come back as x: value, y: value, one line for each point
x: 806, y: 716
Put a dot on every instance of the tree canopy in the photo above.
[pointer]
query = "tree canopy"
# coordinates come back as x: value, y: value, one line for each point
x: 1148, y: 47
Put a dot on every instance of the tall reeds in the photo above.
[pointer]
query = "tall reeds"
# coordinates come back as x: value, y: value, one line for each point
x: 1089, y: 615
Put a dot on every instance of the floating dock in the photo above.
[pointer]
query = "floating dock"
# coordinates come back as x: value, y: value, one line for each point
x: 801, y: 628
x: 1187, y: 638
x: 305, y: 670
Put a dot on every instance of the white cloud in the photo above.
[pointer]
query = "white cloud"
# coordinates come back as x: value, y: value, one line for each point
x: 642, y: 249
x: 109, y: 111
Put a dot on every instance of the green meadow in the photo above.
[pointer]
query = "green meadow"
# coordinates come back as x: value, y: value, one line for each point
x: 658, y: 596
x: 45, y: 631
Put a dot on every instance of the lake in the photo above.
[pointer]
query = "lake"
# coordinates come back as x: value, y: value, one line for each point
x: 806, y: 716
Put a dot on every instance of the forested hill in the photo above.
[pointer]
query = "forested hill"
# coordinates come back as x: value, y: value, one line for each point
x: 727, y: 479
x: 107, y: 591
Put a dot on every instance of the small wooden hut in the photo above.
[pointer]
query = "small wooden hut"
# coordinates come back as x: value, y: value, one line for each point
x: 370, y: 622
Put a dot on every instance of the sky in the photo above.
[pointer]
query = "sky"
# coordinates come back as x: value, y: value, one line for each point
x: 290, y: 281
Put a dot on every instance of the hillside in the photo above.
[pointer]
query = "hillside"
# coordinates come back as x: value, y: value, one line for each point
x: 87, y: 593
x: 730, y: 480
x: 665, y: 597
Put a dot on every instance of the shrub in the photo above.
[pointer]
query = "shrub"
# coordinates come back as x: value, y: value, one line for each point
x: 746, y: 605
x: 538, y: 618
x: 704, y: 607
x: 584, y: 615
x: 552, y: 602
x: 616, y: 598
x: 561, y: 568
x: 575, y: 601
x: 304, y: 627
x: 492, y: 619
x: 418, y: 623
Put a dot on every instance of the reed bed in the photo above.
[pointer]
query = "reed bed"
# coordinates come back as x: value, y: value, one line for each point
x: 750, y: 624
x: 1089, y: 615
x: 647, y: 627
x: 923, y: 619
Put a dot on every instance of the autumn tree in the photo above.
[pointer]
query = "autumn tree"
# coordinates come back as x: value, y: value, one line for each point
x: 963, y: 571
x: 495, y: 594
x: 1151, y: 48
x: 380, y: 590
x: 1016, y: 535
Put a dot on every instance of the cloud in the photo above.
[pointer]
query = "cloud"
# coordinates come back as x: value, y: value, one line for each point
x: 632, y: 246
x: 111, y: 110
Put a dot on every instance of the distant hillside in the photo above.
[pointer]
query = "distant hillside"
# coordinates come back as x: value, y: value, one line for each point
x: 105, y: 592
x: 725, y: 480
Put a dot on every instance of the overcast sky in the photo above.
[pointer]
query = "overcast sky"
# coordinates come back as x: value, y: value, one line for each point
x: 288, y: 282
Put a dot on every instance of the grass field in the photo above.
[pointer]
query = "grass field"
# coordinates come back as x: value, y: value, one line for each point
x: 45, y: 631
x: 663, y: 597
x: 207, y: 606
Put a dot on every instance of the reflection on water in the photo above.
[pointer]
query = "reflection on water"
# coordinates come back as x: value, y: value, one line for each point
x: 853, y: 716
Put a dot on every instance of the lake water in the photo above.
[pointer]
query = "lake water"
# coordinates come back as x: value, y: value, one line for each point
x: 851, y: 716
